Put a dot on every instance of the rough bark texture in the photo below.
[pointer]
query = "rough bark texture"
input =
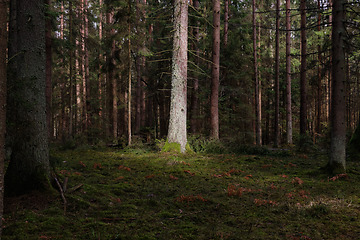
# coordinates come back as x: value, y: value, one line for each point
x: 257, y: 82
x: 215, y: 73
x: 303, y: 90
x: 3, y: 47
x: 48, y: 47
x: 338, y: 103
x: 195, y: 108
x: 289, y: 129
x: 177, y: 122
x: 226, y: 22
x: 29, y: 162
x: 277, y: 72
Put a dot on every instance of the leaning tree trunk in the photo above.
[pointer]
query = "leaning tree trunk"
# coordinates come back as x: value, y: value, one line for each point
x: 3, y: 47
x: 338, y: 101
x: 178, y: 104
x: 215, y: 73
x: 29, y: 162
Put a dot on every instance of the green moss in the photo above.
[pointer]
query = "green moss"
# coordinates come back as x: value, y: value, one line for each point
x: 171, y: 147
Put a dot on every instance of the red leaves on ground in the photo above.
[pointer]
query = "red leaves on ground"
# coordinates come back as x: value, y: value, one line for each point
x: 228, y: 174
x: 190, y: 198
x: 185, y: 163
x: 119, y: 178
x: 173, y: 178
x: 188, y: 171
x: 300, y: 194
x: 267, y: 166
x: 150, y: 176
x: 82, y: 164
x: 124, y: 168
x: 297, y: 180
x: 264, y: 202
x: 97, y: 166
x: 284, y: 176
x: 339, y: 176
x: 247, y: 177
x: 232, y: 190
x: 290, y: 165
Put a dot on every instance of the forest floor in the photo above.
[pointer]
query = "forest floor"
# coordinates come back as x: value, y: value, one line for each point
x: 138, y: 194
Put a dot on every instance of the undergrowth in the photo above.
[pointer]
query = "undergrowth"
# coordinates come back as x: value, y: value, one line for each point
x: 140, y: 194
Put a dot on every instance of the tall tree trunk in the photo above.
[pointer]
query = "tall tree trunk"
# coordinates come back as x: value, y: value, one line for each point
x: 111, y: 81
x: 215, y: 73
x: 48, y: 68
x: 303, y: 90
x: 277, y: 71
x: 338, y: 101
x: 319, y: 92
x: 289, y: 129
x: 3, y: 48
x: 129, y: 76
x: 226, y: 22
x: 257, y: 82
x: 178, y: 104
x: 195, y: 108
x: 29, y: 162
x: 87, y: 103
x: 71, y: 72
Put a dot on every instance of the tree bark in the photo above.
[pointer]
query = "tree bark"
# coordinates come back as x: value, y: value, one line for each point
x: 29, y: 161
x: 289, y: 129
x: 3, y: 48
x: 277, y: 73
x: 303, y: 90
x: 195, y: 108
x: 319, y: 92
x: 48, y: 47
x: 178, y: 105
x: 257, y: 82
x: 226, y: 22
x: 215, y: 73
x: 338, y: 100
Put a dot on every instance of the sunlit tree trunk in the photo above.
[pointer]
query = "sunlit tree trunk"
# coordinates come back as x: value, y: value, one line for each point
x: 289, y: 129
x: 3, y: 48
x: 29, y: 161
x: 277, y: 71
x: 338, y: 101
x: 178, y: 105
x: 215, y: 73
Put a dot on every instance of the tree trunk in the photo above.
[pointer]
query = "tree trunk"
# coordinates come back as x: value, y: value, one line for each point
x: 215, y: 73
x: 319, y: 92
x: 129, y: 78
x: 3, y: 48
x: 195, y: 108
x: 289, y: 129
x: 48, y: 68
x: 338, y: 101
x: 226, y: 22
x: 277, y: 71
x: 257, y: 82
x: 303, y: 90
x: 29, y: 162
x: 178, y: 108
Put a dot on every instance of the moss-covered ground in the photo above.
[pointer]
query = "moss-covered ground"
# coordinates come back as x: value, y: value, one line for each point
x: 118, y: 194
